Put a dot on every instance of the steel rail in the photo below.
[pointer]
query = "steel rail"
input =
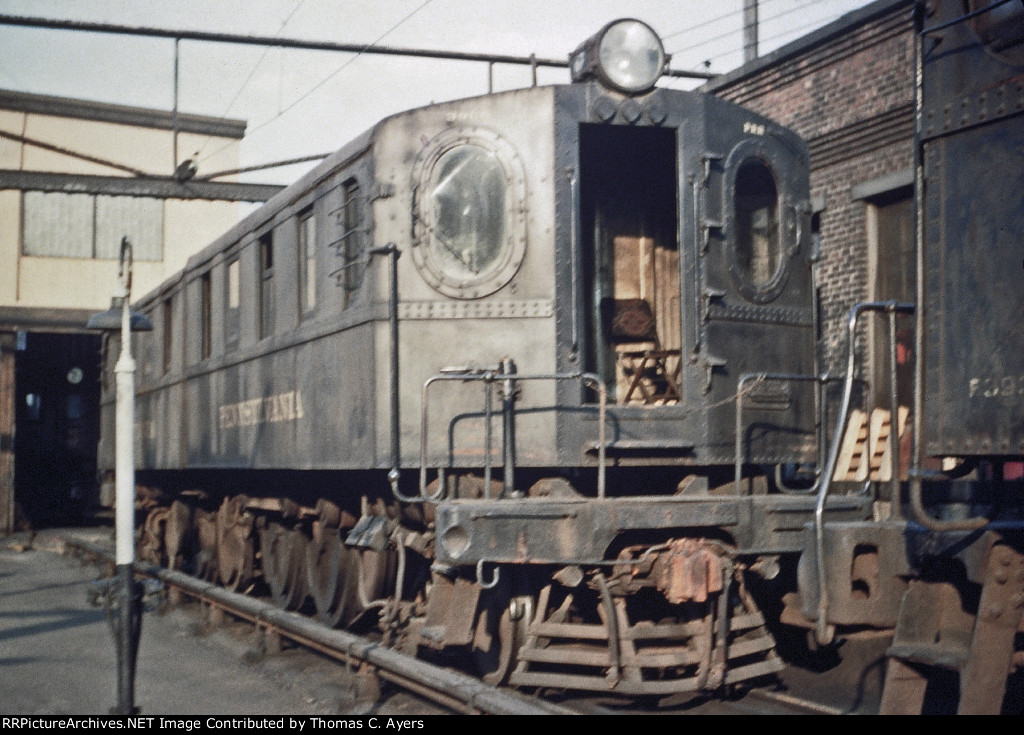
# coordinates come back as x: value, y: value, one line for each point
x: 804, y: 706
x: 449, y: 688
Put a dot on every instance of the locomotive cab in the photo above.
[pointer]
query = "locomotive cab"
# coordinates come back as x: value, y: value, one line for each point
x: 690, y: 244
x: 610, y: 232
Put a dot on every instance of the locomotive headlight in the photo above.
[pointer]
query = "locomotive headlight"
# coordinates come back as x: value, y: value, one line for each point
x: 626, y: 55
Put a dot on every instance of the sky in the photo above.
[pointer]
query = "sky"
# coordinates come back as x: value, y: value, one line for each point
x: 299, y: 103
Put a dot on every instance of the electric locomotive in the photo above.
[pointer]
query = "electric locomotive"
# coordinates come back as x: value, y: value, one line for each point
x: 501, y: 378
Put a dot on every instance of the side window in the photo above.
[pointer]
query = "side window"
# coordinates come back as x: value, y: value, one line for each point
x: 763, y: 222
x: 266, y: 289
x: 232, y: 320
x: 206, y: 314
x: 758, y: 248
x: 349, y: 243
x: 307, y: 264
x: 467, y: 210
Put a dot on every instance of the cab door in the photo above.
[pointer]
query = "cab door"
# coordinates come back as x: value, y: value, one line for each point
x: 754, y: 299
x: 630, y: 261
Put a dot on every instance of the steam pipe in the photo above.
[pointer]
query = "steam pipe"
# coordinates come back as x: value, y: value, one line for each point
x: 393, y: 253
x: 508, y: 417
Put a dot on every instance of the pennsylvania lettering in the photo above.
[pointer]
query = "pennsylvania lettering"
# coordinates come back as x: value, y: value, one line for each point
x: 268, y: 410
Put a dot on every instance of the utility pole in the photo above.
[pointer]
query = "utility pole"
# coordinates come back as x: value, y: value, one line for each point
x: 749, y: 30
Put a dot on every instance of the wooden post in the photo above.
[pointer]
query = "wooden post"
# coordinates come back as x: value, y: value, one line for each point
x: 8, y: 341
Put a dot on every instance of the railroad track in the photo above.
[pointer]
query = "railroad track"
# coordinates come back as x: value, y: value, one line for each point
x: 450, y: 689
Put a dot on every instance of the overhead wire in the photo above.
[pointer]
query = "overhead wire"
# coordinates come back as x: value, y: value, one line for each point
x: 351, y: 60
x: 761, y: 22
x: 330, y: 76
x: 709, y: 21
x: 763, y: 40
x: 252, y: 73
x: 347, y: 62
x: 792, y: 32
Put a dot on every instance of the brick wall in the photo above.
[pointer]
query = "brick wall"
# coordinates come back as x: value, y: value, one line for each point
x: 848, y: 89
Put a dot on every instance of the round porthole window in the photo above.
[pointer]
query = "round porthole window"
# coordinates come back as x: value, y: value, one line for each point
x: 470, y: 227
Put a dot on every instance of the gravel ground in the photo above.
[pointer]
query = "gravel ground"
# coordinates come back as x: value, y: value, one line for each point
x: 57, y: 653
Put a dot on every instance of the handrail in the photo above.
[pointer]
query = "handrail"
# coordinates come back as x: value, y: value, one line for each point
x: 823, y: 632
x: 490, y: 375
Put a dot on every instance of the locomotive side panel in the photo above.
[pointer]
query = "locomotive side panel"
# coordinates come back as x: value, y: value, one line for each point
x: 334, y: 403
x: 201, y: 420
x: 249, y: 365
x: 972, y: 130
x: 975, y: 311
x: 338, y: 371
x: 470, y: 302
x: 159, y: 408
x: 198, y: 419
x: 301, y: 402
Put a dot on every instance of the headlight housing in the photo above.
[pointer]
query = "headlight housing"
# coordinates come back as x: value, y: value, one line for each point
x: 626, y: 55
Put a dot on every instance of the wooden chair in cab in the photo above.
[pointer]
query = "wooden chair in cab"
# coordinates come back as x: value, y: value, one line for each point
x: 645, y: 373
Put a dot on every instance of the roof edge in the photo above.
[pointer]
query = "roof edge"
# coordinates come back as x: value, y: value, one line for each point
x: 801, y: 45
x: 145, y: 117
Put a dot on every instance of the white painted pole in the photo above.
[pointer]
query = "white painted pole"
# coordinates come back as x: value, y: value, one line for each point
x: 124, y: 498
x: 124, y: 430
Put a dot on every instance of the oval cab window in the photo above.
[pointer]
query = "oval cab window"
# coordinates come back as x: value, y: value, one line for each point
x: 467, y: 210
x: 762, y: 230
x: 757, y: 223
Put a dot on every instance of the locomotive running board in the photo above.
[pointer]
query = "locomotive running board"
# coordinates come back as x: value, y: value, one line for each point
x: 644, y: 658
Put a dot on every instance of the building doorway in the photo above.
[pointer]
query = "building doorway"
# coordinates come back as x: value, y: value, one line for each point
x: 57, y: 394
x: 892, y: 277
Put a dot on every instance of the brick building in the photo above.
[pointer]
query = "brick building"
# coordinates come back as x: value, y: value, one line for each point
x: 848, y: 89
